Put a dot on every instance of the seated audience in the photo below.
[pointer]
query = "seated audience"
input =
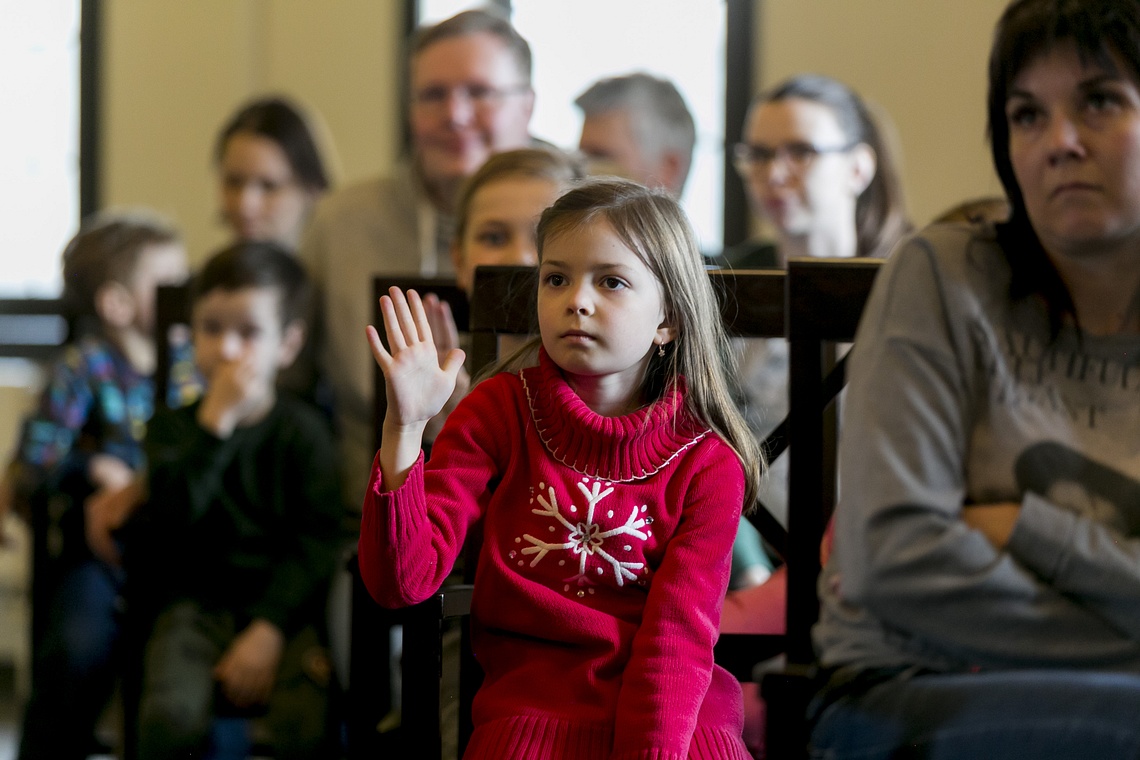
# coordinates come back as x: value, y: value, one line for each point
x: 638, y: 126
x: 270, y: 171
x: 233, y: 551
x: 84, y: 441
x: 982, y: 594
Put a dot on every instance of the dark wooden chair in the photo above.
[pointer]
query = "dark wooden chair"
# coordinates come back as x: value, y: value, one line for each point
x: 502, y: 305
x: 171, y: 325
x: 825, y: 299
x: 369, y: 689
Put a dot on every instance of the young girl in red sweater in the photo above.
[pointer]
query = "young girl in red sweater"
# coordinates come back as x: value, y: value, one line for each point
x: 609, y: 479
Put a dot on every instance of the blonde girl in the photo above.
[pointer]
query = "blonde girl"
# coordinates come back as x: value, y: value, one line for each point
x: 609, y: 480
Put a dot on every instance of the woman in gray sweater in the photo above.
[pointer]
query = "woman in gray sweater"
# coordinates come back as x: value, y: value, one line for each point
x: 983, y: 595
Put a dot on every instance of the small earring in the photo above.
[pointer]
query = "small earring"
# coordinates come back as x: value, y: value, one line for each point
x: 661, y: 350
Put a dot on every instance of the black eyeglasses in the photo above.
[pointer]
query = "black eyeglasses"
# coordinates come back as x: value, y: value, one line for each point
x: 798, y: 156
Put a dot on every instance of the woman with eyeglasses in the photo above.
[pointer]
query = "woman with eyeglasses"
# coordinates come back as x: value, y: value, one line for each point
x: 816, y: 167
x: 270, y: 172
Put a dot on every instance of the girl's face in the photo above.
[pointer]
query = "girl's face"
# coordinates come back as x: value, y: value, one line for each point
x: 262, y: 199
x: 1074, y: 145
x: 501, y: 221
x: 814, y: 175
x: 601, y: 313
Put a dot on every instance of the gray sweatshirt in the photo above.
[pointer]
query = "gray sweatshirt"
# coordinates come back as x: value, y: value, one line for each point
x: 957, y: 395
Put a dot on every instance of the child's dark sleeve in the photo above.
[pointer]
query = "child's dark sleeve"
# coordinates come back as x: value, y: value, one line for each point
x: 186, y: 464
x: 312, y: 538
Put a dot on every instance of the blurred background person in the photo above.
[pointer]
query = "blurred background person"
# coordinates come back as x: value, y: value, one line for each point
x: 982, y: 596
x: 817, y: 168
x: 638, y: 126
x: 83, y: 444
x: 470, y: 97
x: 270, y: 172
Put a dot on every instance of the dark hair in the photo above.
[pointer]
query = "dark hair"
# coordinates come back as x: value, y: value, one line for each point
x: 280, y: 121
x: 880, y: 210
x: 257, y: 265
x: 475, y: 22
x: 107, y: 248
x: 1028, y: 29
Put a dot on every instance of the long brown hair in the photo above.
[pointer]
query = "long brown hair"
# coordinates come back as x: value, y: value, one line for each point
x: 652, y: 225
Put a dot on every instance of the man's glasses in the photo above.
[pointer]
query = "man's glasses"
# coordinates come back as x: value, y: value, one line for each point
x: 797, y: 156
x: 479, y: 96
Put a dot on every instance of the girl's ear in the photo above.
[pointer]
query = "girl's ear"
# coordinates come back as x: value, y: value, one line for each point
x: 292, y: 340
x: 864, y: 163
x: 115, y: 305
x: 665, y: 334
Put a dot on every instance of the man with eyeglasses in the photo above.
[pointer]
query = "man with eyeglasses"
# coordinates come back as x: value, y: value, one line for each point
x: 469, y: 97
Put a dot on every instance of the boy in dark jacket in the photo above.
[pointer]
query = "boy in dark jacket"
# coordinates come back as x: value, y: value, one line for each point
x: 240, y: 534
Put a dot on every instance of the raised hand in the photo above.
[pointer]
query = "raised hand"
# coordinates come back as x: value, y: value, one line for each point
x: 418, y: 384
x: 418, y: 380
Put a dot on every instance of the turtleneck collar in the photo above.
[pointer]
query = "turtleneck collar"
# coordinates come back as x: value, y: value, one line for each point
x: 619, y: 449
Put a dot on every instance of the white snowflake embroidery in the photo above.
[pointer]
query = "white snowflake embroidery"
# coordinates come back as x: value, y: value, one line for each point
x: 586, y: 538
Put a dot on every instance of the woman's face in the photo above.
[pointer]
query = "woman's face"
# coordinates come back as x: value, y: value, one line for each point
x: 262, y: 199
x: 501, y: 221
x: 809, y: 183
x: 1074, y: 145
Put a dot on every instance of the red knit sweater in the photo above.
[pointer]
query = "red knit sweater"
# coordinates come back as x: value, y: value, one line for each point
x: 604, y: 565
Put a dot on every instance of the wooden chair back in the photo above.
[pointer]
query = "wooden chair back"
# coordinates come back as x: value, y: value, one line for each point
x: 370, y: 677
x: 171, y: 324
x: 825, y: 299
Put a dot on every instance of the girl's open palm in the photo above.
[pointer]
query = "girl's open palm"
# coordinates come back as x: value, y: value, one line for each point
x: 417, y: 380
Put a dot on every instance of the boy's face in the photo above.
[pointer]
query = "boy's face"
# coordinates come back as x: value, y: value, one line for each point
x: 243, y: 327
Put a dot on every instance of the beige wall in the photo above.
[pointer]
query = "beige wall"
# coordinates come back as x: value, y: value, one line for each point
x: 921, y: 62
x: 174, y: 72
